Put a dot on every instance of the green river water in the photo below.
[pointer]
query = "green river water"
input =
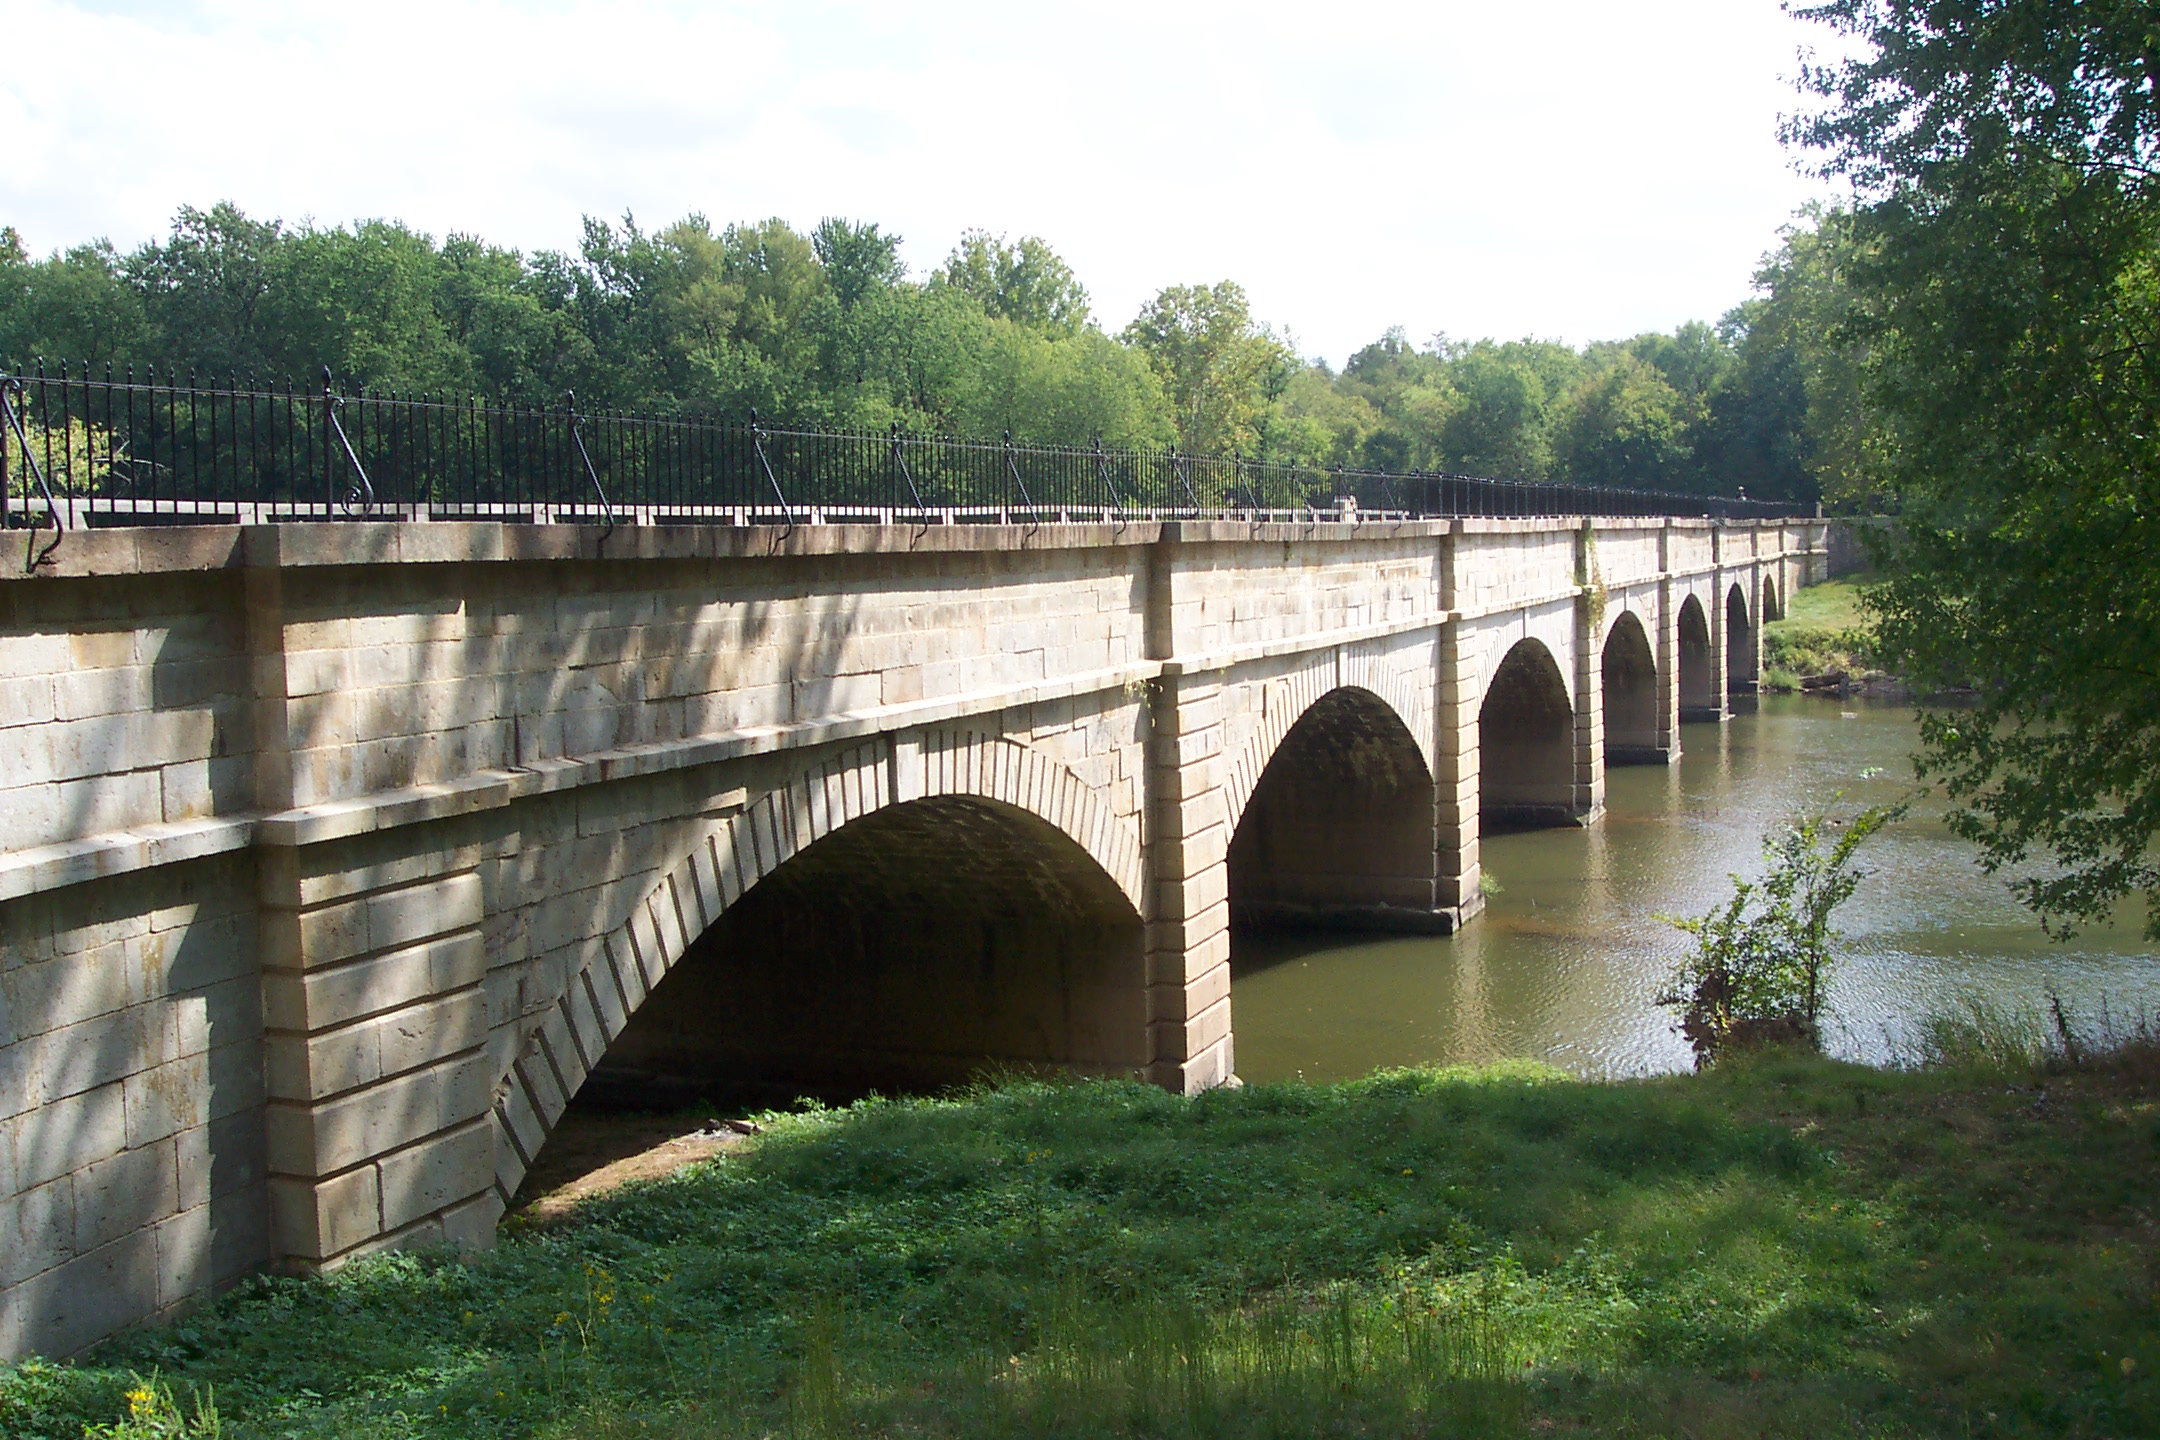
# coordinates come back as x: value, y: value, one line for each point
x: 1565, y: 962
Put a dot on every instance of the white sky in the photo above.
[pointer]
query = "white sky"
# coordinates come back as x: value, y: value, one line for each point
x: 1577, y: 169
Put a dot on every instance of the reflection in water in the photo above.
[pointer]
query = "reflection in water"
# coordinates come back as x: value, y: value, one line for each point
x: 1566, y: 959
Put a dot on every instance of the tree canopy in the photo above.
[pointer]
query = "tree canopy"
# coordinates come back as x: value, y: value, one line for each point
x: 829, y: 329
x: 1990, y: 310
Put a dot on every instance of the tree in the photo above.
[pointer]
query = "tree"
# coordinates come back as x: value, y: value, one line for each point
x: 365, y: 302
x: 1503, y: 428
x: 1026, y: 283
x: 513, y: 322
x: 1221, y: 369
x: 1792, y: 419
x: 1694, y: 360
x: 2004, y: 277
x: 204, y: 289
x: 1068, y: 389
x: 1760, y: 970
x: 859, y: 262
x: 826, y: 328
x: 76, y: 306
x: 1625, y: 427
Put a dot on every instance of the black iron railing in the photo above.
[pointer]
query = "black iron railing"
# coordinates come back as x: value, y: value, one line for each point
x: 126, y: 450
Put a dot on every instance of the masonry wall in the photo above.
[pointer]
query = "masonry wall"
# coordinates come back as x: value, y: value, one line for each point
x: 1844, y: 547
x: 131, y: 1101
x: 123, y: 703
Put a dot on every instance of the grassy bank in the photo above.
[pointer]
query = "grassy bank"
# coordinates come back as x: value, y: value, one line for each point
x: 1785, y: 1247
x: 1824, y: 631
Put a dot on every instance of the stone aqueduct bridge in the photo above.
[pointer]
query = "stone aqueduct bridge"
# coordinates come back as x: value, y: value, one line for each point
x: 338, y: 857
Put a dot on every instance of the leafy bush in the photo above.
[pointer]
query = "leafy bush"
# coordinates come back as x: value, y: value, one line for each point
x: 1762, y: 959
x: 1816, y: 651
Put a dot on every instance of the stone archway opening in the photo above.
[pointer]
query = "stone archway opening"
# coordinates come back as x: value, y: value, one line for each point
x: 1631, y: 695
x: 909, y: 950
x: 1339, y: 831
x: 1526, y: 745
x: 1740, y: 653
x: 1699, y: 694
x: 1772, y: 607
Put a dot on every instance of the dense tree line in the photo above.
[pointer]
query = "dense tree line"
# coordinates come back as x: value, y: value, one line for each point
x: 829, y: 329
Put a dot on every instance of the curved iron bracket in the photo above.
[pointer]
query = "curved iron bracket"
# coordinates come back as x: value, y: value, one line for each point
x: 1237, y: 478
x: 1184, y: 475
x: 359, y: 497
x: 1102, y: 473
x: 899, y: 461
x: 757, y: 443
x: 11, y: 391
x: 577, y: 438
x: 1012, y: 468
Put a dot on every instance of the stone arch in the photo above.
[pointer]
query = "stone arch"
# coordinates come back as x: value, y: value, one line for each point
x: 1338, y: 829
x: 1286, y: 700
x: 1526, y: 743
x: 1773, y: 607
x: 1017, y: 804
x: 1699, y: 694
x: 1740, y: 649
x: 1631, y: 694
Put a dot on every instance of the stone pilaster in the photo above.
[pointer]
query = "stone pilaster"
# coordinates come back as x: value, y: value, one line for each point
x: 1188, y: 960
x: 1721, y: 641
x: 374, y: 1020
x: 1588, y: 801
x: 1455, y: 777
x: 1667, y: 645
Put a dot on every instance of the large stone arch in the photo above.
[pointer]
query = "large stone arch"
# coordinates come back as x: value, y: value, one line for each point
x: 1286, y: 699
x: 1773, y: 603
x: 1740, y: 647
x: 1552, y: 628
x: 1637, y: 604
x: 1338, y: 829
x: 1630, y: 683
x: 1004, y: 786
x: 1701, y: 697
x: 1526, y: 743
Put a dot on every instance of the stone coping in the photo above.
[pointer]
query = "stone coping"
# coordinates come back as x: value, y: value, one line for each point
x: 148, y: 550
x: 50, y: 867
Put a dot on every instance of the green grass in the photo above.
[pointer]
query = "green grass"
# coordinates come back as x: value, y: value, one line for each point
x: 1823, y: 630
x: 1781, y: 1247
x: 1832, y: 605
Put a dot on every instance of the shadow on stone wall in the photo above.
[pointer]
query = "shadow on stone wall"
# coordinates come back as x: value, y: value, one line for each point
x: 1339, y: 831
x: 1631, y: 695
x: 1526, y: 744
x: 911, y: 949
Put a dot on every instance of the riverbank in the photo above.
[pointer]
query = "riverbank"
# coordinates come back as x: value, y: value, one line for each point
x: 1784, y: 1247
x: 1823, y: 642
